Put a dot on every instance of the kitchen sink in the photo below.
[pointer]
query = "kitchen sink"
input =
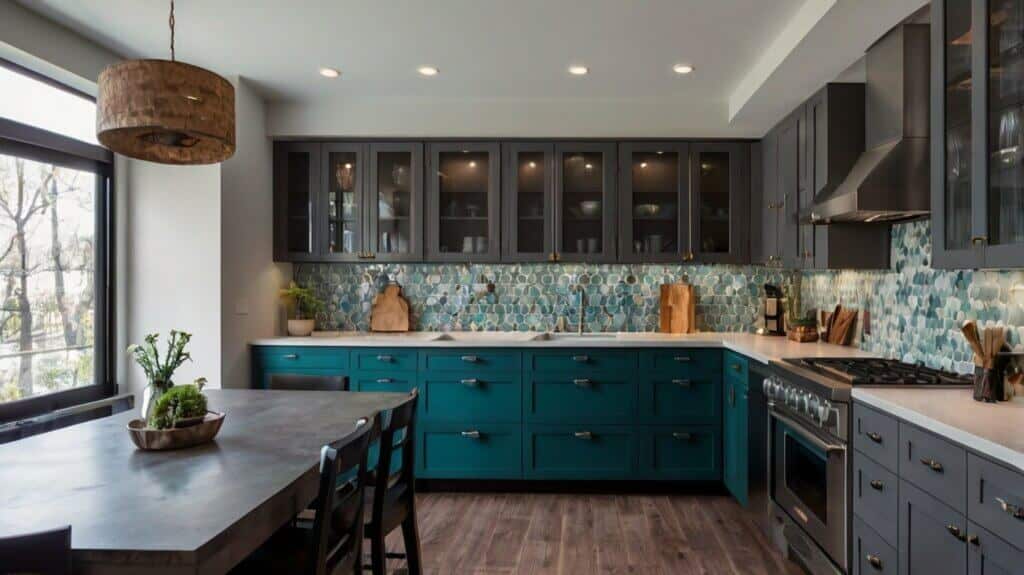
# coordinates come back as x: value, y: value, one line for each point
x: 549, y: 336
x: 485, y: 336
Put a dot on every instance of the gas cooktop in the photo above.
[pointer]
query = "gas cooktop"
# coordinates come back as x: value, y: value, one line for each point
x: 880, y: 372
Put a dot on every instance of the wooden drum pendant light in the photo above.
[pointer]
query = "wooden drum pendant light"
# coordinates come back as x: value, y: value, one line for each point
x: 166, y: 111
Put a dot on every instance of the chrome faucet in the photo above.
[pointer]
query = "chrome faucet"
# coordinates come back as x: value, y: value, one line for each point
x: 579, y: 321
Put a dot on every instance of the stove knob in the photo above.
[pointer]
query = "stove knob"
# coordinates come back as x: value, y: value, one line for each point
x: 766, y: 387
x: 813, y: 403
x: 824, y: 412
x: 803, y: 402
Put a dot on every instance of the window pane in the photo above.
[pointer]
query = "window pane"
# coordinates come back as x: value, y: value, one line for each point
x: 29, y: 101
x: 47, y: 274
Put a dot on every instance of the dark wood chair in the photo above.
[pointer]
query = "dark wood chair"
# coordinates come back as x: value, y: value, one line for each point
x: 392, y: 498
x: 45, y: 553
x: 332, y: 543
x: 305, y: 382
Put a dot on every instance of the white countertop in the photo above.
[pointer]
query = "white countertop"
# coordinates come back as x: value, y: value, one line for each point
x: 757, y: 347
x: 993, y: 429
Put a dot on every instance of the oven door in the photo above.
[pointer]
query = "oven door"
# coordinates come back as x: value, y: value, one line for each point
x: 809, y: 482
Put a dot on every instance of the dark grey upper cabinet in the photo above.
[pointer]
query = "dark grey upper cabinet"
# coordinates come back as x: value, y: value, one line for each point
x: 720, y: 190
x: 788, y: 172
x: 394, y: 202
x: 653, y: 202
x: 766, y: 248
x: 342, y: 205
x: 585, y: 201
x: 296, y: 196
x: 977, y: 137
x: 835, y: 136
x: 528, y: 193
x: 463, y: 202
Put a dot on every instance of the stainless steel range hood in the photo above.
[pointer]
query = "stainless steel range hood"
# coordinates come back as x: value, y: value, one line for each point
x: 890, y: 181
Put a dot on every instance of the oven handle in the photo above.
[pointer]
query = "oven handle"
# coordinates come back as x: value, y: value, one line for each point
x: 798, y: 428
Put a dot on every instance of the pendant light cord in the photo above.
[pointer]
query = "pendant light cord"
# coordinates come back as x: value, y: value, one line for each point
x: 170, y: 22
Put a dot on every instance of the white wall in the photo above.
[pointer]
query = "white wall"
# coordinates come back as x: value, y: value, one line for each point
x: 250, y: 279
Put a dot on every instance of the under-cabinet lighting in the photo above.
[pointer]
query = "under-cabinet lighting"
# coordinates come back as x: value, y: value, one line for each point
x: 682, y: 68
x: 578, y: 70
x: 428, y: 71
x: 330, y: 72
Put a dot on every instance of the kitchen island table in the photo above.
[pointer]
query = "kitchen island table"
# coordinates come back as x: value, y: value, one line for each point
x: 199, y: 510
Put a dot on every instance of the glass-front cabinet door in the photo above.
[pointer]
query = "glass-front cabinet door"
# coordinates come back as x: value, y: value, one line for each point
x: 342, y: 202
x: 463, y: 202
x: 653, y: 202
x: 719, y: 218
x: 394, y: 201
x: 528, y: 195
x: 585, y: 201
x: 296, y: 193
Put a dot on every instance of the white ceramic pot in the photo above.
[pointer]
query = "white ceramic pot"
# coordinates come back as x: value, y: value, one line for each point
x: 301, y: 327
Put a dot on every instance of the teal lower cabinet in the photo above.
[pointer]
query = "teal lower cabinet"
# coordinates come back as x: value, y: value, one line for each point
x: 735, y: 436
x: 691, y: 452
x: 383, y: 382
x: 468, y: 397
x: 268, y: 362
x: 580, y: 451
x: 466, y: 451
x: 580, y: 398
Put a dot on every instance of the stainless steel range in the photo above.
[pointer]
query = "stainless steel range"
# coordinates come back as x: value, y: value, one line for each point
x: 808, y: 431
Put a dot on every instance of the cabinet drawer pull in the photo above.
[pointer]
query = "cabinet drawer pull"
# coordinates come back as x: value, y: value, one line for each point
x: 682, y: 435
x: 472, y: 434
x: 684, y: 383
x: 471, y: 382
x: 1014, y: 511
x: 290, y: 356
x: 973, y: 540
x: 737, y: 367
x: 582, y: 382
x: 932, y: 464
x: 956, y: 532
x: 874, y: 437
x: 581, y: 358
x: 979, y: 240
x: 877, y: 484
x: 470, y: 358
x: 875, y: 561
x: 583, y: 435
x: 384, y: 380
x: 385, y: 358
x: 681, y: 358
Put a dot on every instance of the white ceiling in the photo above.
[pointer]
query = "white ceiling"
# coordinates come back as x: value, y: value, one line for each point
x: 493, y: 56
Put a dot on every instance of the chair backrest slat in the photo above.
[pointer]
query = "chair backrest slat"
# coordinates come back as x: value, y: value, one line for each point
x: 398, y: 434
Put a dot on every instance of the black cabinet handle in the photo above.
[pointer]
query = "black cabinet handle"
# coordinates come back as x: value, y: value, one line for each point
x: 875, y: 561
x: 973, y: 540
x: 684, y: 383
x: 682, y: 435
x: 1014, y: 511
x: 956, y: 532
x: 932, y: 464
x: 874, y: 437
x: 877, y: 484
x: 470, y: 358
x: 583, y: 435
x: 581, y: 358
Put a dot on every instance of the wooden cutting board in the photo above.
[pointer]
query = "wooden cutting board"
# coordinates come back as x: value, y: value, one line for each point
x: 390, y: 311
x: 677, y: 311
x: 840, y: 326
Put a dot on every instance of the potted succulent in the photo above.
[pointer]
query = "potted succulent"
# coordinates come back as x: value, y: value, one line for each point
x: 305, y: 306
x: 159, y: 372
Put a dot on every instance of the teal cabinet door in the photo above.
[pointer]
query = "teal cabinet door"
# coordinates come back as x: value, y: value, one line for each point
x: 579, y: 452
x: 382, y: 359
x: 578, y: 398
x: 693, y: 399
x: 681, y: 452
x: 471, y: 361
x: 735, y: 447
x: 469, y: 451
x: 380, y: 382
x: 736, y: 367
x: 448, y: 397
x: 262, y: 378
x: 297, y: 360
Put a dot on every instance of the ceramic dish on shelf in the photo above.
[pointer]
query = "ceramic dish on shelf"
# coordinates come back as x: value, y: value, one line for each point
x: 646, y: 210
x: 590, y: 208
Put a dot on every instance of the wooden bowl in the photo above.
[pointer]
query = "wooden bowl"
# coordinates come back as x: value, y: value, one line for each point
x: 802, y: 333
x: 151, y: 439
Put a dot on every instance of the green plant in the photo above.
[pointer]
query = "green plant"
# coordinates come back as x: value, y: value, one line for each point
x: 305, y: 302
x: 159, y: 373
x: 180, y: 402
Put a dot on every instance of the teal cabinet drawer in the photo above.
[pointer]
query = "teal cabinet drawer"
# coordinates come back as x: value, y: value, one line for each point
x: 471, y: 360
x: 684, y: 362
x: 586, y: 399
x: 460, y: 451
x: 472, y: 398
x: 581, y: 360
x: 681, y: 452
x: 384, y: 360
x: 696, y: 399
x: 263, y: 377
x: 579, y: 452
x: 378, y: 382
x: 736, y: 367
x: 299, y: 356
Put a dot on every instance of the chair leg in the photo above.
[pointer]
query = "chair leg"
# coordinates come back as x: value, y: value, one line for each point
x: 411, y: 536
x: 378, y: 561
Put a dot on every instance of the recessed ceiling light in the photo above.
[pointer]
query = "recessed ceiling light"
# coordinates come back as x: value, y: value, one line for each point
x: 578, y: 70
x: 472, y: 164
x: 682, y: 68
x: 348, y: 166
x: 589, y: 166
x: 533, y: 164
x: 427, y: 71
x: 643, y: 164
x: 330, y: 72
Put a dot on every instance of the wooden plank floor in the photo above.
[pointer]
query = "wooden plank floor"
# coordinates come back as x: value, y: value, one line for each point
x: 564, y: 534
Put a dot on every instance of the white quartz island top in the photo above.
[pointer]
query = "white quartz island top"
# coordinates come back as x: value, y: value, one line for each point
x: 757, y: 347
x: 992, y: 429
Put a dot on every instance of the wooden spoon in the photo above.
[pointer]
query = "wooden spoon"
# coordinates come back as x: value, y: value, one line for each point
x: 970, y: 331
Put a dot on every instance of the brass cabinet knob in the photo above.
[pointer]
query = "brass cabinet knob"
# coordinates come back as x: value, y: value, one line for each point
x: 979, y: 240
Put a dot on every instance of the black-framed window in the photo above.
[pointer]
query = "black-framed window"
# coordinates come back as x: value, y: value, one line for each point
x: 56, y: 237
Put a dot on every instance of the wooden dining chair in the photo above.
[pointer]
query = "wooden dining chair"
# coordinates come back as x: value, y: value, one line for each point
x: 392, y: 497
x: 332, y: 544
x: 306, y: 382
x: 43, y: 552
